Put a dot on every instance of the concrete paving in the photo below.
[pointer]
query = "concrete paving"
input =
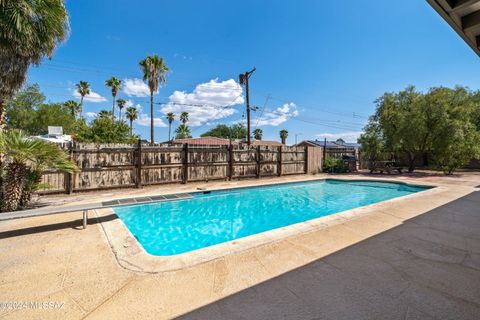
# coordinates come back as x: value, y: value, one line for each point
x: 401, y: 260
x: 426, y: 268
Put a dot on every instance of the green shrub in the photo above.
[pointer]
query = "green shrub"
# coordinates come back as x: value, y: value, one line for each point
x: 334, y: 165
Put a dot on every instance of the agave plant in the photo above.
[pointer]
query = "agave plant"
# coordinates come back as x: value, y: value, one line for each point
x: 27, y: 158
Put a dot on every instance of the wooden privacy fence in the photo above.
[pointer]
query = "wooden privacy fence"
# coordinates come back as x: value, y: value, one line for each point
x: 114, y: 166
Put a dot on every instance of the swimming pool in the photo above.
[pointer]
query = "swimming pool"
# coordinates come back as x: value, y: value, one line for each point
x: 174, y: 227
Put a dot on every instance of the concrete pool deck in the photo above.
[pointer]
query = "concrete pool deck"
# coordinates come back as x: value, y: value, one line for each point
x: 49, y: 259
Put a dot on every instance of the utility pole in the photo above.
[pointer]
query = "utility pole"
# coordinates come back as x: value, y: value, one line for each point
x: 243, y: 78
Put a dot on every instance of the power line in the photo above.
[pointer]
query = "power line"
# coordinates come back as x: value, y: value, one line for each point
x: 263, y: 109
x: 220, y: 112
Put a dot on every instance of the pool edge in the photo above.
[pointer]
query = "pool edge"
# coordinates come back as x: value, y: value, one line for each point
x: 131, y: 255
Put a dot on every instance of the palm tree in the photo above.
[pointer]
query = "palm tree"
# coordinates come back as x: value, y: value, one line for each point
x: 132, y: 115
x: 104, y: 114
x: 114, y: 84
x: 283, y: 136
x: 30, y: 30
x: 170, y: 117
x: 72, y: 106
x: 154, y: 70
x: 121, y: 104
x: 28, y: 159
x: 184, y: 117
x: 83, y: 89
x: 183, y: 132
x: 258, y: 134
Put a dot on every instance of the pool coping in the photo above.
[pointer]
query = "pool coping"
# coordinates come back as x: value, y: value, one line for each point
x: 131, y: 255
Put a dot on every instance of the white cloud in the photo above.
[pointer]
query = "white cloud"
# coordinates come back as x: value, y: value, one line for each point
x: 130, y: 103
x: 90, y: 114
x: 347, y: 136
x: 277, y: 116
x: 91, y: 97
x: 135, y: 88
x: 144, y: 120
x: 208, y: 102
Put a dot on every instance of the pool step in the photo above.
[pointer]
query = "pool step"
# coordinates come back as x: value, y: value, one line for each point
x: 158, y: 198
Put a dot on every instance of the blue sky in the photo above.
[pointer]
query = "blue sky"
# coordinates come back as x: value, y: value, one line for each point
x: 320, y: 64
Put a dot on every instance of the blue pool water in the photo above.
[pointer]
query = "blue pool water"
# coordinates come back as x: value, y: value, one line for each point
x: 173, y: 227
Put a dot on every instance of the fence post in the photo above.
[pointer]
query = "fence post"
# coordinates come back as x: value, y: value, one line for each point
x: 306, y: 159
x: 69, y: 176
x: 185, y: 164
x: 258, y: 162
x: 230, y: 162
x: 138, y: 181
x: 279, y: 158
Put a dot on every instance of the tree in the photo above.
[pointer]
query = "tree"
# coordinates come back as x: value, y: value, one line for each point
x: 132, y: 115
x: 373, y: 146
x: 104, y: 130
x: 257, y: 134
x: 29, y: 112
x: 170, y: 118
x: 403, y: 120
x: 83, y: 89
x: 236, y: 131
x: 440, y: 124
x: 28, y: 158
x: 121, y: 104
x: 114, y: 85
x: 183, y: 132
x: 456, y: 144
x: 154, y: 70
x: 51, y: 114
x: 20, y: 110
x: 220, y: 131
x: 283, y: 135
x: 30, y: 30
x: 104, y: 114
x: 184, y: 117
x: 74, y: 107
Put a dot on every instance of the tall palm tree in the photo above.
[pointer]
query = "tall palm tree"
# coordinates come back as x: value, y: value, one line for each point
x: 154, y: 70
x: 72, y: 106
x: 184, y: 117
x: 114, y: 84
x: 283, y: 136
x: 29, y: 157
x: 121, y: 104
x: 183, y: 132
x: 170, y: 118
x: 83, y: 89
x: 258, y: 134
x: 132, y: 115
x: 30, y: 30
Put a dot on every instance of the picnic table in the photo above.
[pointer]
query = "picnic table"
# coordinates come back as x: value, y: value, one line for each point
x: 387, y: 166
